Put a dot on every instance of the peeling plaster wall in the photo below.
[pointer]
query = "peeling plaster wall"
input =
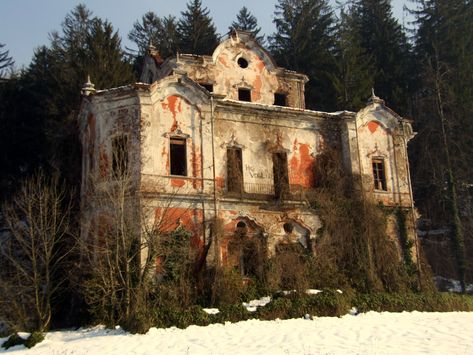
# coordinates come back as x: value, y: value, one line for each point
x: 223, y: 71
x: 380, y: 135
x: 259, y: 132
x: 176, y: 106
x: 102, y: 117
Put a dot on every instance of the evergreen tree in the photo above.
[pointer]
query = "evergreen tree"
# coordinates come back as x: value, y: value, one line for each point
x: 304, y: 42
x: 5, y: 61
x: 247, y: 22
x: 443, y: 149
x: 104, y: 59
x: 354, y: 77
x: 382, y: 38
x: 196, y: 31
x: 161, y: 32
x: 46, y: 97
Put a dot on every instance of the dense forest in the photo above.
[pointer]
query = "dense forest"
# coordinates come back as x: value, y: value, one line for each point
x: 424, y: 72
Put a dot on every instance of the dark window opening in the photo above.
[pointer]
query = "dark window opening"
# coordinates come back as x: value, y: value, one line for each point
x: 288, y: 227
x: 208, y: 87
x: 178, y: 156
x: 120, y: 156
x: 280, y: 99
x: 241, y: 224
x: 280, y: 175
x: 379, y: 175
x: 242, y: 62
x: 234, y: 170
x: 244, y: 95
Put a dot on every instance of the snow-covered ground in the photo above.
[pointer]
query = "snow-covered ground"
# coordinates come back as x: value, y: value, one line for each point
x: 370, y: 333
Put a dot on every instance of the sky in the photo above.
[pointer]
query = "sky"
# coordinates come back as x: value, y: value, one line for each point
x: 26, y: 24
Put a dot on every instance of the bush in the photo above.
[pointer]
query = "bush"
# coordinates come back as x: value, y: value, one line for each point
x: 33, y: 339
x: 326, y: 303
x: 422, y: 302
x: 13, y: 340
x: 182, y: 317
x: 228, y: 287
x: 233, y: 313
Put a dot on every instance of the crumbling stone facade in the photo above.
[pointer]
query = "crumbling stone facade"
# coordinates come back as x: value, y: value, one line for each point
x: 227, y: 136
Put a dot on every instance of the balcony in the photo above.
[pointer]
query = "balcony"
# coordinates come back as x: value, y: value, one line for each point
x: 259, y: 191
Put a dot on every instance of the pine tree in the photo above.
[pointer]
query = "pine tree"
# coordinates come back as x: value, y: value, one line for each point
x: 47, y: 93
x: 354, y: 77
x: 382, y: 38
x: 304, y: 42
x: 443, y: 150
x: 5, y: 61
x: 161, y: 32
x: 196, y: 31
x: 104, y: 59
x: 247, y: 22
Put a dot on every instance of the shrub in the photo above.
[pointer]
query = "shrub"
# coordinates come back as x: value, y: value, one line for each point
x: 33, y: 339
x: 13, y: 340
x: 422, y: 302
x: 228, y: 287
x: 233, y: 313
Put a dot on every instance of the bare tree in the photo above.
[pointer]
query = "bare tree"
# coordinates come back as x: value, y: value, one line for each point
x: 37, y: 224
x: 125, y: 247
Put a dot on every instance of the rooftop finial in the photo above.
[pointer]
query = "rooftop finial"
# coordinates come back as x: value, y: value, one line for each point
x: 374, y: 99
x: 88, y: 88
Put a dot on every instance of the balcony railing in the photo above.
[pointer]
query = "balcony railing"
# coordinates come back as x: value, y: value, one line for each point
x: 267, y: 192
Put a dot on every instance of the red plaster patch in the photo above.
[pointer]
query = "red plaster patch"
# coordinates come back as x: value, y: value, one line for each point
x: 256, y: 93
x: 220, y: 182
x: 176, y: 182
x: 301, y: 167
x: 172, y: 100
x: 222, y: 60
x: 196, y: 171
x: 373, y: 126
x: 260, y: 66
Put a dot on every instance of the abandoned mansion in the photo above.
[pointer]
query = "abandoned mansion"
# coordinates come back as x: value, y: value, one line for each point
x: 228, y: 137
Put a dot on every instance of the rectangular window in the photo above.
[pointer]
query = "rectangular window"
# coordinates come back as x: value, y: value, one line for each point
x: 244, y: 95
x: 379, y: 174
x: 208, y: 87
x: 120, y: 156
x: 280, y: 175
x: 178, y: 156
x: 280, y: 99
x: 234, y: 170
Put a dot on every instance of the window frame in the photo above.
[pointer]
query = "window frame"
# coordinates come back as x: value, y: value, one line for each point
x: 278, y: 96
x: 120, y: 144
x: 172, y: 152
x: 378, y: 169
x: 242, y: 90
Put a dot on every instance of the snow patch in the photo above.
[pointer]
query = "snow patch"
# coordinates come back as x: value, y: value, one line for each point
x: 211, y: 310
x: 253, y: 305
x: 367, y: 333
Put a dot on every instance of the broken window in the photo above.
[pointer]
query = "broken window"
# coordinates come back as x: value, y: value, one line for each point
x: 379, y: 174
x: 280, y: 175
x: 120, y: 156
x: 178, y: 156
x: 244, y: 94
x: 280, y: 99
x: 208, y: 87
x: 234, y: 170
